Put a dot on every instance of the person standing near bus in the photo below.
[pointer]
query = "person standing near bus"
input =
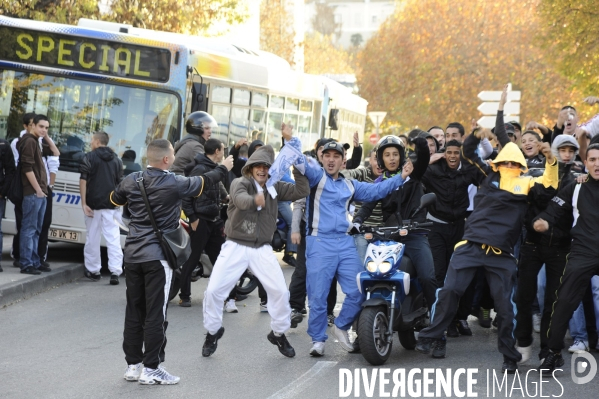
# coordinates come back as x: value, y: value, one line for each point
x: 7, y: 173
x: 35, y: 190
x: 101, y: 171
x: 149, y: 276
x: 199, y: 127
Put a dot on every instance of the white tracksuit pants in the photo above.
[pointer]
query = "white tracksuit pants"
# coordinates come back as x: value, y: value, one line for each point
x: 103, y: 224
x: 232, y: 261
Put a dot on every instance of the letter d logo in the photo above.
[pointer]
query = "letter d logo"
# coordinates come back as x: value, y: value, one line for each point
x: 589, y: 363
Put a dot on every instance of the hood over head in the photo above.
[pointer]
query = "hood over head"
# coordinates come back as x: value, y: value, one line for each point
x: 252, y: 147
x: 427, y: 135
x: 563, y: 140
x: 512, y: 153
x: 264, y: 154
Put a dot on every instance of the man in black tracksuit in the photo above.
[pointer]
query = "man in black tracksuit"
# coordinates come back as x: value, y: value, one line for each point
x: 580, y: 201
x: 489, y: 238
x: 449, y: 178
x: 148, y: 276
x: 550, y: 249
x: 204, y: 216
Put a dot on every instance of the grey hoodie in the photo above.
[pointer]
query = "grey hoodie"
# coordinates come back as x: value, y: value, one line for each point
x: 246, y: 224
x: 185, y: 152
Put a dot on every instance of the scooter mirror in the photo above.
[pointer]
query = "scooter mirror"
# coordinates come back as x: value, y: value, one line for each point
x: 427, y: 199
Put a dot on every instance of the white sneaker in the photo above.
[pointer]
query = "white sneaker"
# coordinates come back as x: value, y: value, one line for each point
x: 526, y: 352
x: 317, y: 349
x: 536, y: 322
x: 230, y: 306
x: 133, y: 372
x: 263, y: 307
x: 343, y: 338
x: 157, y: 376
x: 579, y: 346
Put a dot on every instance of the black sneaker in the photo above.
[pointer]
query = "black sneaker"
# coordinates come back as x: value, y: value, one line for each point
x: 452, y: 329
x: 439, y: 348
x: 304, y: 311
x: 552, y: 361
x: 281, y: 342
x: 185, y: 303
x: 44, y: 263
x: 509, y: 366
x: 1, y: 270
x: 30, y: 270
x: 43, y: 268
x: 290, y: 260
x: 296, y: 318
x: 464, y: 328
x: 543, y: 354
x: 114, y: 279
x: 211, y: 342
x: 484, y: 318
x: 18, y: 264
x: 424, y: 345
x: 92, y: 276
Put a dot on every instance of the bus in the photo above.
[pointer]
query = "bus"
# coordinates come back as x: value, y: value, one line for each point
x: 138, y: 85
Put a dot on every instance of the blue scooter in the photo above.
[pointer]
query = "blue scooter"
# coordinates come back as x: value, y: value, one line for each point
x: 394, y: 298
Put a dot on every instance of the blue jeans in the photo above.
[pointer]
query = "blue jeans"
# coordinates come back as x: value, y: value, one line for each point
x: 419, y: 252
x: 2, y: 209
x: 34, y: 209
x: 361, y: 246
x: 578, y: 325
x: 287, y: 215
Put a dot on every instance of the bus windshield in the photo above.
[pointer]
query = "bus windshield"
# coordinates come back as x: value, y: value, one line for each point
x: 131, y: 116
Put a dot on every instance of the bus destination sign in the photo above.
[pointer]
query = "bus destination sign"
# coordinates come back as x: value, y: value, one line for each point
x: 85, y: 54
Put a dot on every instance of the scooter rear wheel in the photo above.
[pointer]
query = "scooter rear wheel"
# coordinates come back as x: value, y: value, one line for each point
x: 372, y: 328
x: 407, y: 339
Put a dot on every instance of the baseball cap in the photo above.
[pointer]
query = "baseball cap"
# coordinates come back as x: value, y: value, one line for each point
x: 334, y: 146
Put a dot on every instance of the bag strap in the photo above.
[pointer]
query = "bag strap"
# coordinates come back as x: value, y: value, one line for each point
x: 144, y: 195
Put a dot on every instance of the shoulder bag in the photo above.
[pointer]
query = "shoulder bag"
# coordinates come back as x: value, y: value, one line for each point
x: 175, y: 243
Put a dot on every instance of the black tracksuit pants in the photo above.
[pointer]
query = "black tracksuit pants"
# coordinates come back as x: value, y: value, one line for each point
x: 16, y: 239
x: 297, y: 286
x: 532, y: 258
x: 209, y: 237
x: 144, y: 338
x: 442, y: 240
x: 580, y: 267
x: 500, y: 270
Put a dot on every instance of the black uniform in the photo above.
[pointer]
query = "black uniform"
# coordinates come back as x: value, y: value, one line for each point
x: 583, y: 260
x: 148, y: 274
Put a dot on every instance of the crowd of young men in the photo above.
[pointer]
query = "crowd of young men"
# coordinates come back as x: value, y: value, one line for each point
x: 505, y: 224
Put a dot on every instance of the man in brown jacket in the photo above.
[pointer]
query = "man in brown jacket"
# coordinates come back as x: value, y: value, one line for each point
x: 249, y: 229
x: 35, y: 191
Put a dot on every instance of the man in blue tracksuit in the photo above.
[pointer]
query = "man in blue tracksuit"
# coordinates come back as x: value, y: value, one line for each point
x: 330, y: 251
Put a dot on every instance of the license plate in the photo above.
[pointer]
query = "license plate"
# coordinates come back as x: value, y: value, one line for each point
x: 63, y: 235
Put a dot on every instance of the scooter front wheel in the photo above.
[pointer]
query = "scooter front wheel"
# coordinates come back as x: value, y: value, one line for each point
x: 372, y: 333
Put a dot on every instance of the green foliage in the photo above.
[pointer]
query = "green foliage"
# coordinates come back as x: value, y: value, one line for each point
x: 61, y: 11
x: 570, y: 34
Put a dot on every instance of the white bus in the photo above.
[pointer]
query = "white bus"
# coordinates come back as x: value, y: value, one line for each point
x: 138, y: 85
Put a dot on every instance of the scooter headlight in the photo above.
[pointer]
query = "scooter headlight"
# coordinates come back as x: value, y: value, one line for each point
x: 371, y: 267
x: 384, y: 267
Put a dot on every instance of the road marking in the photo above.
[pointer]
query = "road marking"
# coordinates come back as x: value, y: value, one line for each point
x: 298, y: 385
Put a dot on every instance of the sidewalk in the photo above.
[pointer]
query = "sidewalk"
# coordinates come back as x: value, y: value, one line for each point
x: 15, y: 286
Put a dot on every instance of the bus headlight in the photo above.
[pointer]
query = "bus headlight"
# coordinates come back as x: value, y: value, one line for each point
x: 371, y: 267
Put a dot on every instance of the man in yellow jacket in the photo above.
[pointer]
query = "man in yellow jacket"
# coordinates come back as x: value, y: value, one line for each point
x: 489, y: 238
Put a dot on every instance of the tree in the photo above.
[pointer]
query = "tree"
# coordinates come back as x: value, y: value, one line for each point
x: 276, y: 30
x: 426, y: 68
x: 321, y: 56
x: 181, y: 16
x: 61, y: 11
x: 570, y: 35
x: 324, y: 20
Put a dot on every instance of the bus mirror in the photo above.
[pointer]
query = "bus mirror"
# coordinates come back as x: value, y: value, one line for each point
x: 198, y: 95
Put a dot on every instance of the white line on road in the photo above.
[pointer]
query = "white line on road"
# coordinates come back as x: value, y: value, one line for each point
x: 295, y: 387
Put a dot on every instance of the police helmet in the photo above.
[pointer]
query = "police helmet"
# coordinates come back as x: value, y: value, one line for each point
x: 197, y: 121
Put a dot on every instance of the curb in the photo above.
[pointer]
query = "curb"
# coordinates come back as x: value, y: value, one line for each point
x: 14, y: 292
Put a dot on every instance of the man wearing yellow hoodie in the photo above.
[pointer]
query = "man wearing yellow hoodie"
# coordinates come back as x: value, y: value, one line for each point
x: 489, y: 238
